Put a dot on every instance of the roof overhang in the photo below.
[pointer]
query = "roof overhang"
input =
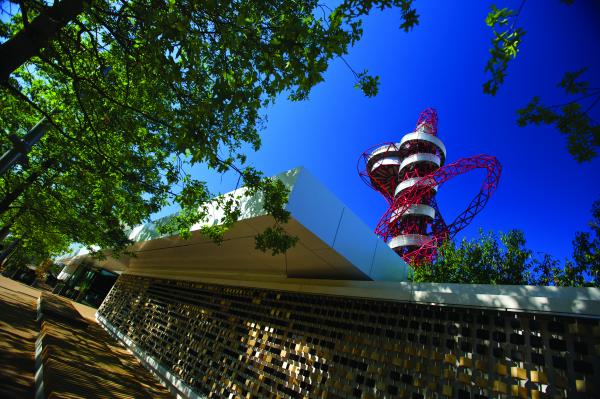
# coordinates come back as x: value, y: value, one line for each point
x: 333, y: 243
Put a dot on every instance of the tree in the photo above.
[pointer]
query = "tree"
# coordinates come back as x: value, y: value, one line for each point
x: 586, y: 248
x: 504, y: 259
x: 487, y: 260
x: 584, y: 268
x: 137, y: 92
x: 571, y: 118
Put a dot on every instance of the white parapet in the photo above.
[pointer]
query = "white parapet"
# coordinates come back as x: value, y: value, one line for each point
x: 420, y: 157
x: 408, y: 240
x: 415, y: 210
x: 386, y: 162
x: 421, y: 136
x: 386, y: 150
x: 405, y: 184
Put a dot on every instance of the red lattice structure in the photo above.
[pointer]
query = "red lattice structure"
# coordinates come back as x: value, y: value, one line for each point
x: 408, y: 175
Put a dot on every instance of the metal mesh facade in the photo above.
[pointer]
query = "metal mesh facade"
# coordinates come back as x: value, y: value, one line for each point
x: 226, y: 341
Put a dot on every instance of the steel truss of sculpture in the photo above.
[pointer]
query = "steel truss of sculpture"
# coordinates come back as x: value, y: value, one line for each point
x: 408, y: 174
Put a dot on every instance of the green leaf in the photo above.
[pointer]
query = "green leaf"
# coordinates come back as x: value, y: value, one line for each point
x: 571, y: 85
x: 187, y: 88
x: 369, y: 85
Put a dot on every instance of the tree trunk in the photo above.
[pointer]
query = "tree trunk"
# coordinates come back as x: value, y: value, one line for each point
x: 36, y: 35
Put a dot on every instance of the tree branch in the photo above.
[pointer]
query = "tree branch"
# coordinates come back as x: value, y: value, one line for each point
x: 36, y: 35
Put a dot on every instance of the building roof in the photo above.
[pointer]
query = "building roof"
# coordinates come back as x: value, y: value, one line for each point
x: 333, y: 242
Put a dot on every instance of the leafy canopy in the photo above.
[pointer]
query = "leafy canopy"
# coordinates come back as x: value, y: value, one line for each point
x: 137, y: 92
x: 487, y: 260
x: 505, y: 45
x: 505, y: 259
x: 571, y: 118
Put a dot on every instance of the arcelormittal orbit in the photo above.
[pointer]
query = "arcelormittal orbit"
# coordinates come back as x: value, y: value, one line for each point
x: 408, y: 174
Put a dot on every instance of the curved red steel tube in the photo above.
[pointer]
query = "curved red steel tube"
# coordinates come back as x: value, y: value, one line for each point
x: 387, y: 226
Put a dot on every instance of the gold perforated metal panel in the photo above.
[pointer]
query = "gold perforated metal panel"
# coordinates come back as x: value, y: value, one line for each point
x: 226, y: 341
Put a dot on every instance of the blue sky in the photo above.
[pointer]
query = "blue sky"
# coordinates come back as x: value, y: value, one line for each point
x: 439, y: 64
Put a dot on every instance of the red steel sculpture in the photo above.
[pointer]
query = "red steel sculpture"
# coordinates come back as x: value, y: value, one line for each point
x: 408, y: 174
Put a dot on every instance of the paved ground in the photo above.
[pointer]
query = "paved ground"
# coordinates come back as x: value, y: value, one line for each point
x: 80, y: 360
x: 18, y: 332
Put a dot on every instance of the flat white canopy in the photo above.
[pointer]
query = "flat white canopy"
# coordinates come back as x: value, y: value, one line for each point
x: 334, y: 243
